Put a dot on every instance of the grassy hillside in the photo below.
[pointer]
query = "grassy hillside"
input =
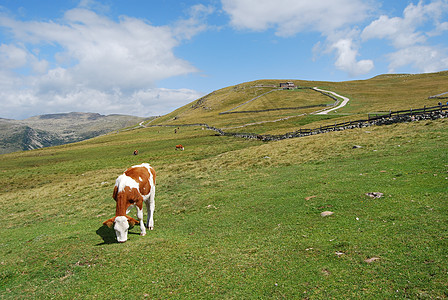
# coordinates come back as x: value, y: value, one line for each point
x: 234, y: 218
x: 378, y: 94
x: 240, y: 218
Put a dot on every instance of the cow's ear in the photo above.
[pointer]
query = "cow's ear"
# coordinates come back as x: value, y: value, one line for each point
x: 114, y: 195
x: 132, y: 221
x: 109, y: 223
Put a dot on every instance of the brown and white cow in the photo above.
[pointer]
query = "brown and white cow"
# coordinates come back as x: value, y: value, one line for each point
x: 180, y: 147
x: 135, y: 186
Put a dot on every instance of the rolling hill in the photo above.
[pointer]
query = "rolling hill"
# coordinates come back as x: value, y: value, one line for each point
x: 379, y: 94
x: 58, y: 129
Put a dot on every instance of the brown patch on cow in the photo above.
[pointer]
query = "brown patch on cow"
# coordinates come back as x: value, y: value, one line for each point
x: 140, y: 175
x: 109, y: 223
x: 114, y: 195
x: 126, y: 198
x: 132, y: 221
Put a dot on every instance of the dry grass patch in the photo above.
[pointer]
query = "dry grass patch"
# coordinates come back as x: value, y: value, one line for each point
x: 60, y: 199
x: 328, y: 146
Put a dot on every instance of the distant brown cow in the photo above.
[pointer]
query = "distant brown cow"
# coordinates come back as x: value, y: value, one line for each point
x: 180, y: 147
x: 135, y: 152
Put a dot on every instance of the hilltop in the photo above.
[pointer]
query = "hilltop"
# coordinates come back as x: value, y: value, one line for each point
x: 58, y: 129
x: 243, y: 106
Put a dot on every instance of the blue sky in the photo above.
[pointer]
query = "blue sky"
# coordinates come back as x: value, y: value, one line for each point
x: 149, y: 57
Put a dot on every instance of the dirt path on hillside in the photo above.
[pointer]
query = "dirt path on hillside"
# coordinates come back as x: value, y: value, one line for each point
x: 344, y: 102
x: 324, y: 112
x: 319, y: 112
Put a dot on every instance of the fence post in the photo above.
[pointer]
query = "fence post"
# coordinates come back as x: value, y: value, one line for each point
x: 390, y: 113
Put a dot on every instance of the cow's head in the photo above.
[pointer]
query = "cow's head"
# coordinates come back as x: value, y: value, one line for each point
x: 121, y: 225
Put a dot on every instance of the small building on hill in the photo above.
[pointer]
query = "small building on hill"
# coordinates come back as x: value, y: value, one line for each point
x: 287, y: 85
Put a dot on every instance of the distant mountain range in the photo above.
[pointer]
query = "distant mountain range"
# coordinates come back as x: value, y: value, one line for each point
x: 58, y: 129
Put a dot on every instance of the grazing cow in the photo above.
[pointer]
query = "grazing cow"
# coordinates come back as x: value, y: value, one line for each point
x: 180, y: 147
x: 135, y: 186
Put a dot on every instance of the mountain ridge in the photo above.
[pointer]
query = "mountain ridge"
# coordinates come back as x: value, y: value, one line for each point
x: 58, y: 129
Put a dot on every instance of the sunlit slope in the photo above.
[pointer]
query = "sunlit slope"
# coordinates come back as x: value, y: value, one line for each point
x: 252, y: 96
x: 251, y: 106
x: 389, y: 92
x: 232, y: 211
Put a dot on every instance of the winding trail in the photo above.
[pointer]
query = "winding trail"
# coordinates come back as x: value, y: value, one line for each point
x: 319, y: 112
x: 344, y: 102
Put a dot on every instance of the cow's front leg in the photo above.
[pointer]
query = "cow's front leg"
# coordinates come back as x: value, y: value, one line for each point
x: 140, y: 219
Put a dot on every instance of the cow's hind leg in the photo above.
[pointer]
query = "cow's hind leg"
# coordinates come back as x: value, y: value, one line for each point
x: 150, y: 207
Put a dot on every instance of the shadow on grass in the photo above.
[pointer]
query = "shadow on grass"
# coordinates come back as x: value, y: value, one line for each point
x: 108, y: 235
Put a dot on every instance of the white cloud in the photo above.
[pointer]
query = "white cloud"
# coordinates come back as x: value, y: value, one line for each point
x: 409, y: 35
x: 403, y: 31
x: 20, y: 104
x: 129, y: 53
x: 12, y: 57
x: 400, y: 31
x: 160, y: 96
x: 93, y: 56
x: 187, y: 28
x: 346, y: 59
x: 442, y: 26
x: 292, y: 16
x: 333, y: 19
x: 423, y: 58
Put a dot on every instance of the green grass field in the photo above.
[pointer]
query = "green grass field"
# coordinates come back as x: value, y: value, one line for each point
x: 235, y: 218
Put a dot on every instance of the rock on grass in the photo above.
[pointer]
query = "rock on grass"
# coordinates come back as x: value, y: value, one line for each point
x: 326, y: 213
